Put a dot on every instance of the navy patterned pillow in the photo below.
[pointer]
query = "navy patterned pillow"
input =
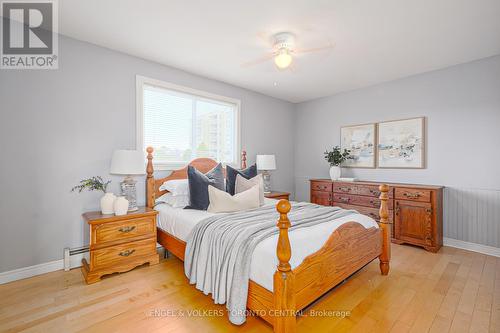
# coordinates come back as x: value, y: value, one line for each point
x: 231, y: 174
x: 198, y: 186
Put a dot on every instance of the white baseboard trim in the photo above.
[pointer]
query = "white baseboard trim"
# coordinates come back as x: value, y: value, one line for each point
x: 485, y: 249
x: 26, y: 272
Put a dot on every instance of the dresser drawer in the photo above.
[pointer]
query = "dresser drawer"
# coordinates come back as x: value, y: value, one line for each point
x: 368, y: 211
x: 321, y: 198
x: 347, y: 188
x: 321, y: 186
x: 413, y: 194
x: 123, y: 253
x: 360, y: 200
x: 123, y: 230
x: 372, y: 190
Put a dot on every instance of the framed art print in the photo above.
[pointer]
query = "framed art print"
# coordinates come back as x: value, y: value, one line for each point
x: 401, y: 144
x: 360, y: 140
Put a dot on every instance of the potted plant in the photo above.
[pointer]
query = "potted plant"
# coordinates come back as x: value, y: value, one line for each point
x: 336, y: 157
x: 96, y: 183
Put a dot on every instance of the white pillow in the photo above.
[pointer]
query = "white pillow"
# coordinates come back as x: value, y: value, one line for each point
x: 242, y: 184
x: 223, y: 202
x: 176, y: 201
x: 176, y: 187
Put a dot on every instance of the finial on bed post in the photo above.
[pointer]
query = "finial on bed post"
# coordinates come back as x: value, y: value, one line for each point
x: 385, y: 256
x: 244, y: 159
x: 150, y: 181
x: 284, y: 279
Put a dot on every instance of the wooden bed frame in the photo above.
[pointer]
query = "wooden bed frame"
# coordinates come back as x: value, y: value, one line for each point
x: 349, y: 248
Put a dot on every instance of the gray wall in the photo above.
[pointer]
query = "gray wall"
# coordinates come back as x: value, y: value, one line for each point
x: 59, y: 126
x: 462, y: 106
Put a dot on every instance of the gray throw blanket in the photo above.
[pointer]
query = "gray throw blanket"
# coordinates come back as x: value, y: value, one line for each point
x: 219, y: 249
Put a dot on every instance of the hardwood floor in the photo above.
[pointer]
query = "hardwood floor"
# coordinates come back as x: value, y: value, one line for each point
x: 451, y: 291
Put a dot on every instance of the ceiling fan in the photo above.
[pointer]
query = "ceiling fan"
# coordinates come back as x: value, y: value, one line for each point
x: 284, y: 49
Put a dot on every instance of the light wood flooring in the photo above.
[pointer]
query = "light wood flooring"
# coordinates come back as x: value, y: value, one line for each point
x: 451, y: 291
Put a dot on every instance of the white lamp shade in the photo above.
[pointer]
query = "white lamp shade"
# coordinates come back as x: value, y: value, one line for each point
x: 266, y: 162
x: 128, y: 162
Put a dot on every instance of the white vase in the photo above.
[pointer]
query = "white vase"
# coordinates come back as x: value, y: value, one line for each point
x: 335, y: 172
x: 121, y: 206
x: 107, y: 202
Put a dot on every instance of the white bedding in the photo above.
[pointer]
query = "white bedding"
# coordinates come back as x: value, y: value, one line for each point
x: 179, y: 223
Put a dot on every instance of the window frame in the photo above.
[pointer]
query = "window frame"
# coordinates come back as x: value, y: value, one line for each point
x: 142, y: 80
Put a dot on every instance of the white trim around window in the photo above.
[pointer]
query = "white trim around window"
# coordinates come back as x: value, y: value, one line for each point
x: 142, y: 80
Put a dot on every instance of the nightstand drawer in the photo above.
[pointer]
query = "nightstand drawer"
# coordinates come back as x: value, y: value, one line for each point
x: 123, y: 230
x: 123, y: 253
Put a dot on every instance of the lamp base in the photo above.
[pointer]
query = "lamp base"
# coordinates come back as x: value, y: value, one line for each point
x: 128, y: 190
x: 266, y: 175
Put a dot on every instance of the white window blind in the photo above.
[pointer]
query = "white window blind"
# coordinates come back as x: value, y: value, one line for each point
x: 183, y: 126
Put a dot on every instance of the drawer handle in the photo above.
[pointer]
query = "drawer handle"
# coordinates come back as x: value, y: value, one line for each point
x: 346, y: 200
x: 376, y: 193
x: 126, y: 253
x: 412, y: 195
x: 345, y: 189
x: 127, y: 229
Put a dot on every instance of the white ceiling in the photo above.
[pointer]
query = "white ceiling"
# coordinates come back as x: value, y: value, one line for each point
x: 376, y: 41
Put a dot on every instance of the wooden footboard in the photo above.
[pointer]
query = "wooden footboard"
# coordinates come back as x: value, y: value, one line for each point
x: 347, y: 250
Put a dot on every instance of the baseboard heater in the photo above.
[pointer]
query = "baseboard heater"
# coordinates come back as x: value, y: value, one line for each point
x: 71, y: 252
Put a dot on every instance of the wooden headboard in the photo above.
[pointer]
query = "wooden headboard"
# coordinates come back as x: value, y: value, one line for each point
x: 153, y: 185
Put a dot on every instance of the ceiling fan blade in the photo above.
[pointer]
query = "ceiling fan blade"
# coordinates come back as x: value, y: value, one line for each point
x: 258, y: 61
x: 315, y: 49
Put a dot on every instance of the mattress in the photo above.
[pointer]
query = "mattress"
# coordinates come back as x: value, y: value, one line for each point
x: 304, y: 241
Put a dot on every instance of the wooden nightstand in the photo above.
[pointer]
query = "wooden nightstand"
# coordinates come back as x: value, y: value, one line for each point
x: 120, y: 243
x: 277, y: 195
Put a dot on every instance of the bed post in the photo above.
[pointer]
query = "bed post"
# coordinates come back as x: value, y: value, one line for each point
x: 244, y: 159
x: 150, y: 180
x: 284, y: 294
x: 384, y: 224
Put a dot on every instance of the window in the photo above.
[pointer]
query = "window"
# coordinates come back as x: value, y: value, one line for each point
x: 182, y: 124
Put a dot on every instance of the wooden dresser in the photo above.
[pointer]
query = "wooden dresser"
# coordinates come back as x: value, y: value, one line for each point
x: 120, y: 243
x: 415, y: 211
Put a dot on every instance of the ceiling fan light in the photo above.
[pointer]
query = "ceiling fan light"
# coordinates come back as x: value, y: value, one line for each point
x: 283, y: 59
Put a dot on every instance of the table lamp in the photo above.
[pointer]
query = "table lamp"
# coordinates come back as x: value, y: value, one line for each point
x: 266, y: 163
x: 128, y: 163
